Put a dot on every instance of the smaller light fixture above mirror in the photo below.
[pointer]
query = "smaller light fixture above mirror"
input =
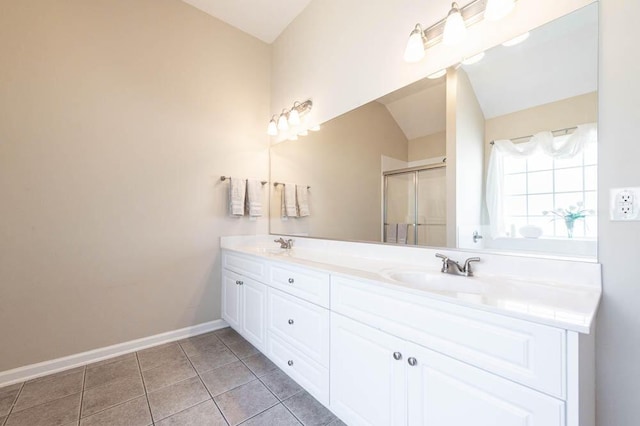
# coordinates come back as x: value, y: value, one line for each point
x: 452, y: 29
x: 290, y: 121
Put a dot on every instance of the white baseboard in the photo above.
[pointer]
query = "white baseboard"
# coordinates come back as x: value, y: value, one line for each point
x: 32, y: 371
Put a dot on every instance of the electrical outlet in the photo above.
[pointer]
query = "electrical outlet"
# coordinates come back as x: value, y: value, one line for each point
x: 624, y: 205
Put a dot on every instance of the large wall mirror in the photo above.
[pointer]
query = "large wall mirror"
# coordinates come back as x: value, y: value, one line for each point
x: 497, y: 154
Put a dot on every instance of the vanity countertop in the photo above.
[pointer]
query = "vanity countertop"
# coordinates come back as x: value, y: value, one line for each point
x: 564, y: 300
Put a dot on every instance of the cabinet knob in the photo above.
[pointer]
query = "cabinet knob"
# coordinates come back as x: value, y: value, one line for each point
x: 290, y: 362
x: 240, y: 282
x: 237, y: 282
x: 397, y: 356
x: 412, y: 361
x: 290, y: 322
x: 290, y: 280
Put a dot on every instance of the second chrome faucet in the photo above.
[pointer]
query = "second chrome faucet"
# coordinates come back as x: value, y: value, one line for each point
x: 452, y: 267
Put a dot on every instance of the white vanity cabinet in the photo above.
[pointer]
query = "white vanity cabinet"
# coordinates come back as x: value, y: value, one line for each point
x: 379, y: 379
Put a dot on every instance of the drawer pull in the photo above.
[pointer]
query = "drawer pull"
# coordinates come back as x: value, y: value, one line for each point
x: 412, y: 361
x: 290, y: 322
x: 397, y: 356
x: 291, y: 280
x: 290, y: 362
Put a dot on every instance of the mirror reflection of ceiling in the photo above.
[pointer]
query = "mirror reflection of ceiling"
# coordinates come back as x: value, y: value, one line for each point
x: 554, y: 63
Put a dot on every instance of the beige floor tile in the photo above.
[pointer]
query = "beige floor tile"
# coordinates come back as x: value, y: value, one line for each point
x: 213, y: 360
x: 228, y: 377
x: 259, y: 364
x: 244, y: 402
x: 202, y: 345
x: 243, y: 349
x: 54, y: 413
x: 45, y: 390
x: 155, y: 357
x: 102, y: 397
x: 177, y: 397
x: 167, y: 374
x: 58, y: 374
x: 131, y: 413
x: 8, y: 396
x: 278, y: 415
x: 229, y: 335
x: 204, y: 414
x: 281, y: 384
x: 308, y: 410
x: 112, y: 360
x: 112, y: 372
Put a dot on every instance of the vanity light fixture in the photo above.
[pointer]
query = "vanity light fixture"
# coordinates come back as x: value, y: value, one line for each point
x: 498, y: 9
x: 516, y: 40
x: 290, y: 120
x: 452, y: 29
x: 315, y: 128
x: 437, y: 74
x: 455, y: 30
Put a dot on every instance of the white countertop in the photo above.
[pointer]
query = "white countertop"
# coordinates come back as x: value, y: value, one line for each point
x: 559, y: 293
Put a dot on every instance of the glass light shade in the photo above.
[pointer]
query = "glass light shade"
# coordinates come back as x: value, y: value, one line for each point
x: 498, y: 9
x: 294, y: 117
x: 437, y: 74
x: 474, y: 59
x: 455, y: 31
x: 516, y: 40
x: 415, y: 46
x: 283, y: 124
x: 303, y: 132
x: 293, y: 137
x: 272, y: 130
x: 314, y: 128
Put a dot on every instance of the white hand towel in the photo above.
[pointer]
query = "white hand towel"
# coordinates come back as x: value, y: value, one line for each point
x: 237, y: 191
x: 290, y: 200
x: 302, y: 195
x: 254, y: 197
x: 402, y: 233
x: 392, y: 233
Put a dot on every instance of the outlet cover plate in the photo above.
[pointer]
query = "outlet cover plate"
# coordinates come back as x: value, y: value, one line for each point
x: 624, y: 204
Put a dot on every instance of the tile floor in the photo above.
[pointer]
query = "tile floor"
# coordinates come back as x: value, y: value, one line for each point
x: 216, y: 378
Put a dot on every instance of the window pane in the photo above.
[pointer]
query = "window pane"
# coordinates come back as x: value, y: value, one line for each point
x: 540, y: 162
x: 540, y: 203
x: 564, y: 201
x: 515, y: 184
x: 591, y: 201
x: 590, y: 178
x: 516, y: 205
x: 515, y: 165
x: 569, y: 162
x: 568, y: 180
x: 515, y: 223
x: 540, y: 182
x: 591, y: 228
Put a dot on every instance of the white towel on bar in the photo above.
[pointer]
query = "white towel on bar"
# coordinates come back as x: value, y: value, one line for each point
x: 302, y: 195
x: 237, y: 191
x: 254, y: 197
x: 402, y: 233
x: 392, y: 233
x: 289, y: 200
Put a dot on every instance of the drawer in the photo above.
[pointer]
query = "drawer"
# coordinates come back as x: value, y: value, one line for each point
x: 309, y: 285
x: 528, y: 353
x: 301, y: 324
x: 248, y: 266
x: 309, y: 374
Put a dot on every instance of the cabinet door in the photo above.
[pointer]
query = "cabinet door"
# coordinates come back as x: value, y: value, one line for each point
x: 446, y: 392
x: 368, y: 385
x: 231, y: 300
x: 254, y: 305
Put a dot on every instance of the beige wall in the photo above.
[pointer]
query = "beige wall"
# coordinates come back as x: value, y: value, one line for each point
x: 430, y: 146
x: 116, y: 120
x: 342, y: 164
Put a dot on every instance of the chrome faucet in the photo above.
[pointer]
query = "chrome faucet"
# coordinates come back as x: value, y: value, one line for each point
x: 452, y: 267
x: 284, y: 244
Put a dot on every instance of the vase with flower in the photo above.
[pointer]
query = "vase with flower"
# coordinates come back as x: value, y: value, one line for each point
x: 570, y: 215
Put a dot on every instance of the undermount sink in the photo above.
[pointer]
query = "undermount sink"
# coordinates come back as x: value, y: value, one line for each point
x: 434, y: 281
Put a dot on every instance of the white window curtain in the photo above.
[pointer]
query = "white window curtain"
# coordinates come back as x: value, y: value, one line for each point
x: 540, y: 142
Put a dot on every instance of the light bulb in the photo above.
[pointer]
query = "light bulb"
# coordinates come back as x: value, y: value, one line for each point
x: 272, y: 130
x: 294, y: 117
x: 498, y: 9
x: 474, y: 59
x: 455, y: 31
x: 437, y: 74
x: 282, y: 122
x: 415, y: 45
x: 516, y: 40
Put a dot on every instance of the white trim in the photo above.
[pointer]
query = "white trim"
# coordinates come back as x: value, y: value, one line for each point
x: 33, y: 371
